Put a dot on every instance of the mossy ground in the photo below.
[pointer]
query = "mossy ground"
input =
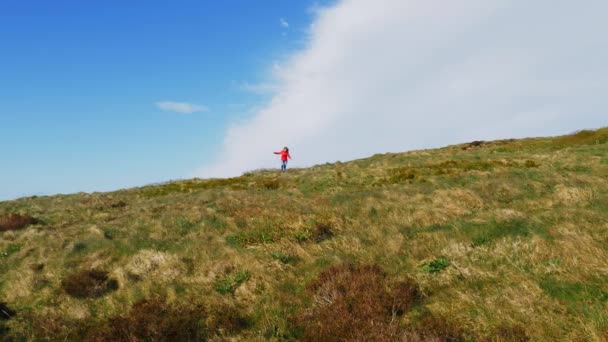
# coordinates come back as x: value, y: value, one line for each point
x: 504, y: 240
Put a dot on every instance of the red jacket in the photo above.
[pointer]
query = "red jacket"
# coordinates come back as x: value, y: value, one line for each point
x: 284, y: 155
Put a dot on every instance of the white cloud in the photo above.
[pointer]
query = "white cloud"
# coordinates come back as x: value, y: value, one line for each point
x: 395, y: 75
x: 284, y: 23
x: 180, y: 107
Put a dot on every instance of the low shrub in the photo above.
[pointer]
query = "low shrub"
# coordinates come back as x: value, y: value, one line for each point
x: 473, y: 144
x: 119, y: 204
x: 356, y: 303
x: 154, y: 320
x: 531, y: 164
x: 435, y: 328
x: 16, y: 222
x: 89, y: 284
x: 269, y: 184
x: 147, y: 320
x: 402, y: 175
x: 34, y: 325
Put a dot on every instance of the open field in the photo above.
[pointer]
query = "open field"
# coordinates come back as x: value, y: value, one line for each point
x: 498, y: 241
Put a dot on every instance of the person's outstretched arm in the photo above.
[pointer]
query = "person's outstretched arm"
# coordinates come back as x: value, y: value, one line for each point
x: 277, y: 152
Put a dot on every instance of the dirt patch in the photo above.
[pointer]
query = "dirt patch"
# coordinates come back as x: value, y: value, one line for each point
x: 322, y: 232
x: 5, y: 314
x: 89, y: 284
x: 16, y: 222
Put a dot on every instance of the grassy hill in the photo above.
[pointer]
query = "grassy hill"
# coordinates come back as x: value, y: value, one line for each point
x: 504, y: 241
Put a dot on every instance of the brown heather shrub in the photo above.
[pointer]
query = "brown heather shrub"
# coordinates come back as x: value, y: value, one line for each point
x: 356, y: 303
x: 226, y: 320
x: 269, y: 184
x: 89, y: 284
x: 119, y: 204
x: 156, y: 320
x: 46, y: 325
x: 433, y: 328
x: 16, y: 222
x: 473, y: 144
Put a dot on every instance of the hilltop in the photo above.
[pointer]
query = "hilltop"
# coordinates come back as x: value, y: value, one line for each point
x: 504, y: 240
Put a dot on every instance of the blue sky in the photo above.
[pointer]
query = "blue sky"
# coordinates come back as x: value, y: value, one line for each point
x: 79, y: 81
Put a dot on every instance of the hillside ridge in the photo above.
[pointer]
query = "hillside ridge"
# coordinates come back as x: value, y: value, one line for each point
x: 502, y: 240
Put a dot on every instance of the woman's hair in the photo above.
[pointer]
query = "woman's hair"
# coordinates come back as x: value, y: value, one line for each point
x: 286, y: 148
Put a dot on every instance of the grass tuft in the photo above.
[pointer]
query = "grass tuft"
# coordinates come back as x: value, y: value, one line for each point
x: 229, y: 283
x: 284, y: 258
x: 436, y: 265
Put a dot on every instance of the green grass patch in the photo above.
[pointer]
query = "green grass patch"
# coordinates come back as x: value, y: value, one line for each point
x: 483, y: 234
x: 580, y: 293
x: 133, y: 244
x: 231, y: 282
x: 413, y: 231
x: 88, y: 246
x: 284, y: 258
x: 251, y: 237
x: 215, y: 222
x: 302, y: 236
x: 436, y: 265
x: 110, y: 233
x: 10, y: 250
x: 193, y: 185
x: 185, y: 225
